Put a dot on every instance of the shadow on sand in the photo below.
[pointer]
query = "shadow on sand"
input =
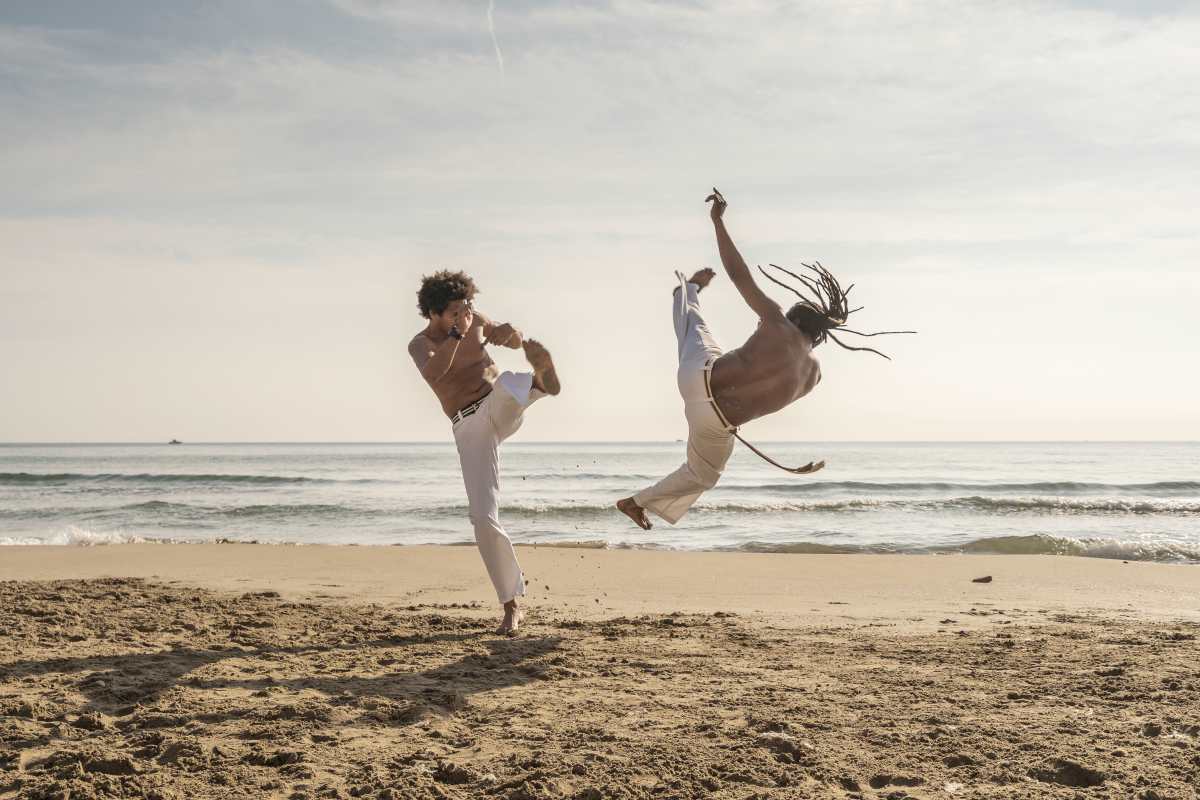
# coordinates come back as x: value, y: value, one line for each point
x: 128, y: 687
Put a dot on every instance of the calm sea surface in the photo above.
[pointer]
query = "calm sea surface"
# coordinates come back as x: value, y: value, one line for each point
x: 1124, y: 500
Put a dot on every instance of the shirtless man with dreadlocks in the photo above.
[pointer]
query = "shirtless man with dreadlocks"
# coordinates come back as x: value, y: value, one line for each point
x: 722, y: 391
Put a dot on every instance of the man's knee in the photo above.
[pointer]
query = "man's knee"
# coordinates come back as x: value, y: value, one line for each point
x: 704, y: 465
x: 703, y: 477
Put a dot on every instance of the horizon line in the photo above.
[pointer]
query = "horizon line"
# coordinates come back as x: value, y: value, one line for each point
x: 158, y: 442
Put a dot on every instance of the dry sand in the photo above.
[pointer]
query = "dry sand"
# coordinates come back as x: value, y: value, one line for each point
x: 216, y: 671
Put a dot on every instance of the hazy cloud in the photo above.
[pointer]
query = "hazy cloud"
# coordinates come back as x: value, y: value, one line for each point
x: 993, y: 173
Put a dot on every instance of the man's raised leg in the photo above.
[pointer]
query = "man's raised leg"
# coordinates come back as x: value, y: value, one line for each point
x: 695, y: 344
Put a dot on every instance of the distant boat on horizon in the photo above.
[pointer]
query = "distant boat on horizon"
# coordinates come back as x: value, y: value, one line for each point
x: 174, y: 441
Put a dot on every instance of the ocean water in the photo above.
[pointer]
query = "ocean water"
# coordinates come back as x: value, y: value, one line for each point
x: 1121, y: 500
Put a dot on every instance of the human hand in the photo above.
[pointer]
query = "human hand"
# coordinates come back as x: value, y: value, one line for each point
x: 463, y: 319
x: 718, y: 205
x: 505, y: 336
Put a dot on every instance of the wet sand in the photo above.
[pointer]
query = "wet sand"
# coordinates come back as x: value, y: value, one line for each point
x: 213, y: 671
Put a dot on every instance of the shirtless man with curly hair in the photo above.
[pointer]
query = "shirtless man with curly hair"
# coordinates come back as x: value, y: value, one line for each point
x: 485, y: 407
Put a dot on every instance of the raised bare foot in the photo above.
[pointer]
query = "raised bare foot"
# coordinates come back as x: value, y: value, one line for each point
x: 635, y: 512
x: 513, y: 617
x: 544, y: 376
x: 702, y: 278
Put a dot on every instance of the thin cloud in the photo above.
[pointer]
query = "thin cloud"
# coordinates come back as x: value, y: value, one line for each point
x: 492, y: 30
x: 944, y: 155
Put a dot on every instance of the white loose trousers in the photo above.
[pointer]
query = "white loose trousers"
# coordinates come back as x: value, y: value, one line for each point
x: 710, y: 441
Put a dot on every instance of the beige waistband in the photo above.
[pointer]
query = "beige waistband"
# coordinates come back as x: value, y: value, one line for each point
x: 708, y: 393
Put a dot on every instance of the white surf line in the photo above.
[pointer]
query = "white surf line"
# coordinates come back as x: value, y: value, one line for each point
x: 492, y: 29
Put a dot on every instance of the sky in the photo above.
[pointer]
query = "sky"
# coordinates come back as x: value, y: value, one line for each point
x: 214, y: 214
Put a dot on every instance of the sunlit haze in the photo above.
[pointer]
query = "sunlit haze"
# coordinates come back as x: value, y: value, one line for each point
x: 214, y: 216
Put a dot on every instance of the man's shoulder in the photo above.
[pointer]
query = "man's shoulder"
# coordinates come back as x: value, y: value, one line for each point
x: 782, y: 334
x: 421, y: 340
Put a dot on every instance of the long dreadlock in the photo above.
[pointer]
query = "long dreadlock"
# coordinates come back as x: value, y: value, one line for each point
x: 828, y: 309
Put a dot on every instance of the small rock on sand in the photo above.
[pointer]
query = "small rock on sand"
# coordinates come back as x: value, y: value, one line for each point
x: 784, y: 743
x: 449, y: 772
x: 984, y: 579
x: 110, y: 764
x: 1067, y: 773
x: 93, y: 722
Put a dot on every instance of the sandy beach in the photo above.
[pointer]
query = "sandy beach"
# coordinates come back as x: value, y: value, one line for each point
x: 173, y: 671
x: 824, y: 366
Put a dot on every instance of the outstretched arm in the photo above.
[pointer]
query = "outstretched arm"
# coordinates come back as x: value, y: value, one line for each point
x: 735, y: 265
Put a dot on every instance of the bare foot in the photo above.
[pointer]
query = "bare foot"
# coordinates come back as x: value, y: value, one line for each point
x: 513, y: 617
x: 544, y: 376
x: 702, y: 278
x: 635, y: 512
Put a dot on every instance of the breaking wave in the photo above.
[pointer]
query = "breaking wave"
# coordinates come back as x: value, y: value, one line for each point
x: 1164, y: 488
x: 977, y: 503
x: 1036, y: 544
x: 332, y: 512
x: 61, y: 478
x: 1158, y: 488
x: 76, y: 536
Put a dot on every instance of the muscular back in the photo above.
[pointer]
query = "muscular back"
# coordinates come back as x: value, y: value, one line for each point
x: 774, y: 368
x: 471, y: 374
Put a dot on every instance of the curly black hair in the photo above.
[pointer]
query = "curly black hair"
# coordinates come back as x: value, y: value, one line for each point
x: 441, y: 289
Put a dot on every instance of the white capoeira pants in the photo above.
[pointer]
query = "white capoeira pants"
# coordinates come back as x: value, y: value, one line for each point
x: 710, y: 440
x: 478, y: 437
